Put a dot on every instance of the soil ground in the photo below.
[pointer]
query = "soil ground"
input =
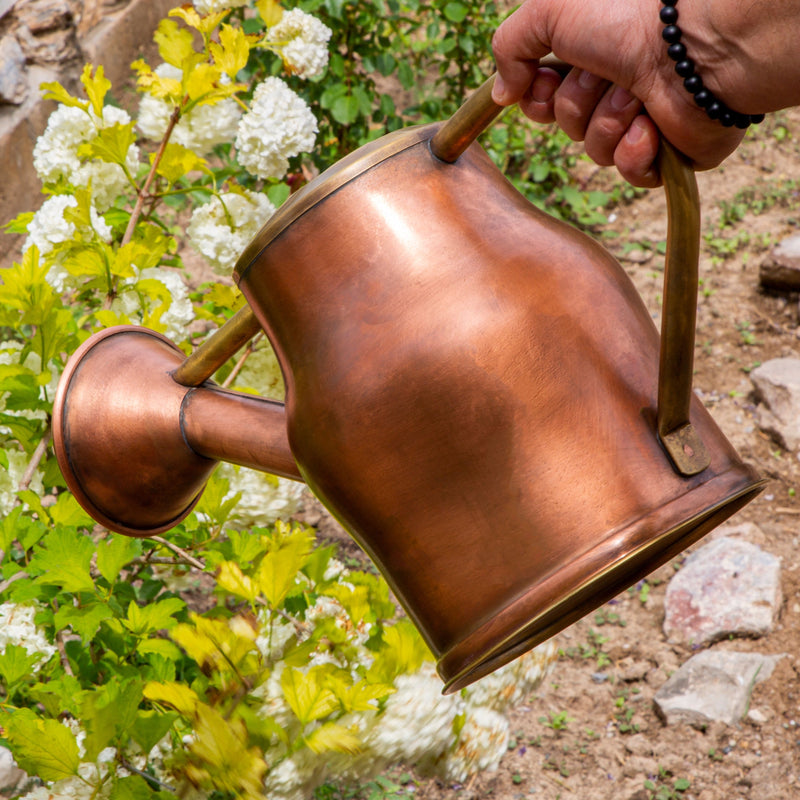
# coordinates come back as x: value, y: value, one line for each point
x: 591, y: 731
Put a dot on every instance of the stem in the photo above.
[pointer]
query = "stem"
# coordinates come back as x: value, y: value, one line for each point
x: 240, y: 363
x: 182, y: 553
x: 152, y: 779
x: 36, y: 458
x: 143, y: 192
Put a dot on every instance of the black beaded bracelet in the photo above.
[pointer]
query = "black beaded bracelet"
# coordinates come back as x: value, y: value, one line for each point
x: 693, y: 83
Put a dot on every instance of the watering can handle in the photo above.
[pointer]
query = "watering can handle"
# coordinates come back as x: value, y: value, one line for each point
x: 677, y: 435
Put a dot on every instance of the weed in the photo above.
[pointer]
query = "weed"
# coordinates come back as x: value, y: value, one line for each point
x: 557, y: 721
x: 662, y: 790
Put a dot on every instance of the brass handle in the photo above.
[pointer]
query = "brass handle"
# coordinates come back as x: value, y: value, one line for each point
x: 681, y: 272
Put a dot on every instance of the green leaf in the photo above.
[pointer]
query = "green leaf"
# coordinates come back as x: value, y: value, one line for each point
x: 84, y: 620
x: 345, y: 109
x: 108, y: 712
x: 133, y: 787
x: 159, y: 647
x: 183, y: 699
x: 59, y: 695
x: 153, y: 617
x: 63, y: 558
x: 150, y: 727
x: 41, y: 747
x: 15, y: 665
x: 114, y: 553
x: 231, y: 579
x: 68, y: 512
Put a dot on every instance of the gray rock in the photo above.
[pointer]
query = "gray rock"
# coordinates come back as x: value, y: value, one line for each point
x: 714, y: 685
x: 10, y: 774
x: 5, y: 7
x: 13, y: 82
x: 729, y: 587
x: 44, y: 15
x: 777, y: 383
x: 781, y: 270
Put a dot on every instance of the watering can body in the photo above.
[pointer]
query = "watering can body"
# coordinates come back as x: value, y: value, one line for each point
x: 471, y: 389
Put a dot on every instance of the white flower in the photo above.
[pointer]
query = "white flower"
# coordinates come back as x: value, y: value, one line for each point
x: 265, y: 498
x: 512, y: 683
x: 213, y: 6
x: 481, y: 744
x: 180, y: 312
x: 278, y: 125
x: 303, y: 42
x: 49, y: 228
x: 200, y: 130
x: 55, y: 156
x: 417, y: 723
x: 9, y: 484
x: 18, y: 628
x: 222, y: 238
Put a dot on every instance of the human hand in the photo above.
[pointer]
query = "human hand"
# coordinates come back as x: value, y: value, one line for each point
x: 622, y: 92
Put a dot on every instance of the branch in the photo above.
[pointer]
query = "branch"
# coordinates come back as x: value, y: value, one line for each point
x: 182, y: 553
x: 36, y: 458
x: 143, y: 192
x: 240, y: 363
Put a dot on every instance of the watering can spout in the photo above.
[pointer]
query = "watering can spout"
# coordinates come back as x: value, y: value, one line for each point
x: 136, y: 447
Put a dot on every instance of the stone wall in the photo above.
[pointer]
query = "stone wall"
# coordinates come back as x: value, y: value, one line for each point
x: 46, y: 40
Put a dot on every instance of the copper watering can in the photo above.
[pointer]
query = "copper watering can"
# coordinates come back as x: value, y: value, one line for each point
x: 474, y: 389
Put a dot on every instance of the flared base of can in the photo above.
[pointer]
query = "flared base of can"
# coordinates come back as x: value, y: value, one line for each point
x: 595, y: 577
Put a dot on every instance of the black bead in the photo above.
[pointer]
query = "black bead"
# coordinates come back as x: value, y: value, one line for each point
x: 669, y: 15
x: 670, y: 2
x: 728, y: 118
x: 703, y: 98
x: 716, y: 109
x: 685, y: 68
x: 741, y: 120
x: 757, y: 119
x: 671, y: 34
x: 677, y: 51
x: 693, y: 84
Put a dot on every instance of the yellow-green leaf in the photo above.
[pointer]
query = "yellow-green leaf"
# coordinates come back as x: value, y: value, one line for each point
x: 231, y: 579
x: 53, y: 90
x: 270, y: 11
x: 177, y: 695
x: 168, y: 89
x: 111, y: 144
x: 175, y: 44
x: 201, y: 81
x: 178, y: 161
x: 96, y: 87
x: 332, y: 736
x: 278, y: 570
x: 41, y: 747
x: 307, y: 694
x: 232, y: 52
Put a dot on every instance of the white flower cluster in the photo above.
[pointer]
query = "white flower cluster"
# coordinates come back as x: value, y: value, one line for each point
x: 17, y: 627
x: 213, y: 6
x: 265, y: 498
x: 302, y: 41
x: 200, y: 129
x: 221, y: 237
x: 55, y: 156
x: 278, y: 125
x: 180, y: 312
x: 48, y: 228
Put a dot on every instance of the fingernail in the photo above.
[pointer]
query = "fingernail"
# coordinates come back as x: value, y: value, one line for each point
x: 499, y: 90
x: 542, y: 90
x: 635, y: 130
x: 588, y: 80
x: 620, y: 98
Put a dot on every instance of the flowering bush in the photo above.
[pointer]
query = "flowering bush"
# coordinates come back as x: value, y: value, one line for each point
x: 236, y: 658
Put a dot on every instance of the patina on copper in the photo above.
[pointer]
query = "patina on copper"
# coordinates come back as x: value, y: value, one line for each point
x: 473, y: 388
